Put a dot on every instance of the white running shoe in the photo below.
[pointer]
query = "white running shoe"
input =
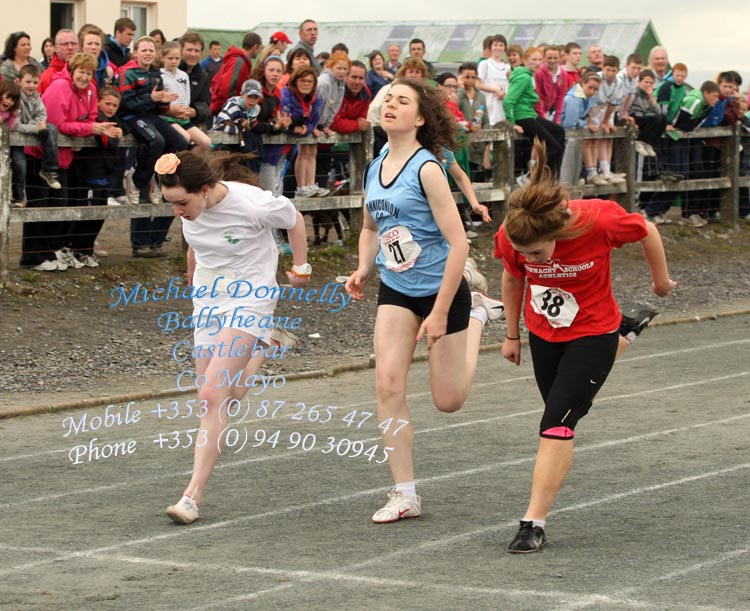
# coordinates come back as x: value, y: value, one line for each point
x: 51, y: 178
x: 89, y: 260
x: 305, y: 191
x: 597, y: 179
x: 132, y: 193
x: 494, y: 307
x: 66, y: 256
x: 640, y: 148
x: 398, y: 507
x: 285, y: 338
x: 477, y: 282
x: 185, y: 511
x: 99, y: 251
x: 156, y: 197
x: 46, y: 266
x: 696, y: 220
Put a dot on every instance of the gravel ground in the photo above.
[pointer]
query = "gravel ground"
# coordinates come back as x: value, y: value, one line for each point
x: 61, y: 335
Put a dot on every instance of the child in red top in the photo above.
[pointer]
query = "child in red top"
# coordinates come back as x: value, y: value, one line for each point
x: 563, y: 249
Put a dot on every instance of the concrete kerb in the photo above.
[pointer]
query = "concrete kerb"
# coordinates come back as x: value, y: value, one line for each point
x: 32, y: 410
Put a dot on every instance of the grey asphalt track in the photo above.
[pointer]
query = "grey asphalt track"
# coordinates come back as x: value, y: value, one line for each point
x: 653, y: 515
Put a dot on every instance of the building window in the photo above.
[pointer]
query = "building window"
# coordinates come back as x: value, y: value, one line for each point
x: 461, y: 38
x: 400, y: 35
x: 525, y: 35
x: 139, y: 14
x: 590, y: 34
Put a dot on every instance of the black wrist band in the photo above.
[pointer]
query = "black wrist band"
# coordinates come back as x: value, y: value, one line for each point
x: 513, y: 338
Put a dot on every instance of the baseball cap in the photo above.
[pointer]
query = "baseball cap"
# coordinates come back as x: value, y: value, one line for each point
x: 252, y: 87
x: 280, y: 37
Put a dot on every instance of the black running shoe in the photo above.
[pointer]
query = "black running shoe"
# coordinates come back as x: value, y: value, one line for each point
x: 637, y: 324
x: 529, y: 538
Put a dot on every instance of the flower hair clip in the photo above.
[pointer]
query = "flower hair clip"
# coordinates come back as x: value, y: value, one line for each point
x: 167, y: 164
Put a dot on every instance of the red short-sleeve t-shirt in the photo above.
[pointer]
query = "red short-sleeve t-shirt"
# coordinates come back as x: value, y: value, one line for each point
x: 570, y: 295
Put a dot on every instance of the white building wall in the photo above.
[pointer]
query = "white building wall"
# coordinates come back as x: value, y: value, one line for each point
x: 34, y: 18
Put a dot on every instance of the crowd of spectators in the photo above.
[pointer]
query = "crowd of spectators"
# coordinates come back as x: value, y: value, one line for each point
x: 169, y: 93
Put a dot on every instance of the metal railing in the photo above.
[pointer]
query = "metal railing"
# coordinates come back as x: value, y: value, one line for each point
x: 360, y: 153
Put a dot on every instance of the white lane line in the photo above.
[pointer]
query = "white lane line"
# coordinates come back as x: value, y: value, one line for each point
x: 575, y: 601
x: 234, y: 464
x: 379, y: 490
x: 651, y: 391
x: 722, y: 558
x: 421, y: 394
x: 587, y: 504
x: 340, y: 574
x: 245, y: 422
x: 237, y: 463
x: 658, y: 355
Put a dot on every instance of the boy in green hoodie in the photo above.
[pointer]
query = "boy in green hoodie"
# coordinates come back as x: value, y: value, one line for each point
x: 695, y: 108
x: 519, y: 110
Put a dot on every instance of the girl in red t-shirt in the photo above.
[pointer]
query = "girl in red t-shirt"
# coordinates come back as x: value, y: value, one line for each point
x: 563, y: 249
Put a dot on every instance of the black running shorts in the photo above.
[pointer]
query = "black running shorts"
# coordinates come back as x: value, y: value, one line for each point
x: 458, y: 315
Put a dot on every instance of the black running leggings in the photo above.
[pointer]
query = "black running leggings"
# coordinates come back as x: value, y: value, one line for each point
x: 569, y: 374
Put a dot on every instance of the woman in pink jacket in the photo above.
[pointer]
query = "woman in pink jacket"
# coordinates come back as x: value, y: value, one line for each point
x: 71, y: 103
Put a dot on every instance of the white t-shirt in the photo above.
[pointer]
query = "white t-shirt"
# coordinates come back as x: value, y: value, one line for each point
x: 177, y: 83
x: 496, y: 74
x: 234, y: 239
x: 611, y: 93
x: 630, y: 84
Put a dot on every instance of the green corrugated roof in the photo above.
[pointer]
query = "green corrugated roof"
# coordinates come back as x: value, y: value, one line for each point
x: 455, y: 42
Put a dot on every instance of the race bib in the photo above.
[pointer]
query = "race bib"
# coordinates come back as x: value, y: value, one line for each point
x: 399, y: 249
x: 220, y: 277
x: 557, y: 306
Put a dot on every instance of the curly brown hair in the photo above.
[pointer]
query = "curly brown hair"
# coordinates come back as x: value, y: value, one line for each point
x: 439, y: 128
x: 539, y: 211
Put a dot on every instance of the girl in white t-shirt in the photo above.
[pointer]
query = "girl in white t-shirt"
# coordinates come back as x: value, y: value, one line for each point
x: 228, y: 227
x: 177, y: 81
x: 492, y: 78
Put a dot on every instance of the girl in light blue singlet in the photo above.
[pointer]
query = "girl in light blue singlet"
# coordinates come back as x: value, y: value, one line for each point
x: 413, y: 234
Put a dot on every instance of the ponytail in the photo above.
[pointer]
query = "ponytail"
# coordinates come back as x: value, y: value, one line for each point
x: 539, y: 211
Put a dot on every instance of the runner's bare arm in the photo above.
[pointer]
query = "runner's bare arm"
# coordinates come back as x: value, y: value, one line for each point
x: 512, y: 299
x: 449, y: 222
x: 368, y: 250
x: 653, y: 249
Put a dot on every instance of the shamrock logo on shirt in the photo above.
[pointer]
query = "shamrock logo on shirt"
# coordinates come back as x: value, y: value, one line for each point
x: 230, y: 238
